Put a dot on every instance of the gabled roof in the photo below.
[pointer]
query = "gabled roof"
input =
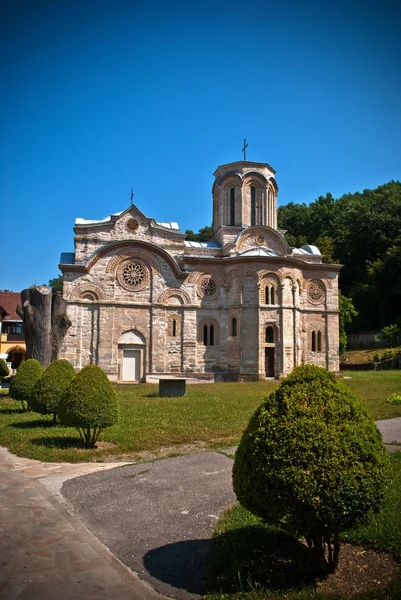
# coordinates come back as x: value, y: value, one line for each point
x: 172, y: 226
x: 8, y: 305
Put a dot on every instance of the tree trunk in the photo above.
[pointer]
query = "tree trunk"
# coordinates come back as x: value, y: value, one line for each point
x: 45, y: 323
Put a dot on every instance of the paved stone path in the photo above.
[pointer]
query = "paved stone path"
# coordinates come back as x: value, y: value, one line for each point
x: 45, y: 552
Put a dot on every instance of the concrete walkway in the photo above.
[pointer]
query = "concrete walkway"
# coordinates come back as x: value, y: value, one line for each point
x: 46, y: 552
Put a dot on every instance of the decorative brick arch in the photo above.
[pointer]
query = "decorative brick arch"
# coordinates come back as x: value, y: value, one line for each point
x: 182, y: 294
x: 116, y: 260
x: 309, y: 275
x: 287, y: 274
x: 90, y: 288
x: 152, y: 254
x: 207, y: 270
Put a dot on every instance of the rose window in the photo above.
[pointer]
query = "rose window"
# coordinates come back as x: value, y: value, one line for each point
x: 132, y: 224
x: 133, y: 275
x: 316, y: 292
x: 208, y: 288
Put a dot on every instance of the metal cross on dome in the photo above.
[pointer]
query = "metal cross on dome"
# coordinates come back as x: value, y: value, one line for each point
x: 244, y: 149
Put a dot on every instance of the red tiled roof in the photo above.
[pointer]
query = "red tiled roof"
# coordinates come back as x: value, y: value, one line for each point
x: 8, y: 304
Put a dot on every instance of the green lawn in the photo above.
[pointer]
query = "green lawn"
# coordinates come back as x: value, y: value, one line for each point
x: 250, y: 560
x: 211, y: 415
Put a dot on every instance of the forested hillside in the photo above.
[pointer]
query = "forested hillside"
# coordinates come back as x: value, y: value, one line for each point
x: 361, y: 231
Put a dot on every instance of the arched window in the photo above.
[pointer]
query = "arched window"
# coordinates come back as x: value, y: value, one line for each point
x: 270, y: 294
x: 232, y: 206
x: 234, y: 327
x: 174, y: 328
x: 208, y: 333
x: 88, y: 297
x: 316, y: 341
x: 253, y: 206
x: 313, y: 341
x: 269, y: 335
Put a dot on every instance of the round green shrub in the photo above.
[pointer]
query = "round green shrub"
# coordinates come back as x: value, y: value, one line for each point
x: 3, y: 369
x: 25, y: 378
x: 312, y: 461
x: 89, y: 403
x: 47, y: 391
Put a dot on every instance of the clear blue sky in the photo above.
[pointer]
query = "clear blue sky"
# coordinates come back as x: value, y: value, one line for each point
x: 99, y: 97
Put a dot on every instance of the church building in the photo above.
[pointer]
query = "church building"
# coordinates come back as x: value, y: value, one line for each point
x: 144, y: 301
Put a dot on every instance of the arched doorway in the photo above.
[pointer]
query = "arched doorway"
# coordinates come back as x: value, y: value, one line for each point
x: 131, y: 351
x: 16, y: 356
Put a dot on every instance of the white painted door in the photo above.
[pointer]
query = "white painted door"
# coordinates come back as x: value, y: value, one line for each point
x: 131, y: 365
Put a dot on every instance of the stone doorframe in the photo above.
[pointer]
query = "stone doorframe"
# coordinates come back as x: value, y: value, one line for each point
x: 132, y: 340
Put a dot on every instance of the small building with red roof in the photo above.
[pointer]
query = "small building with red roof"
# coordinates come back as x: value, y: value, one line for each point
x: 12, y: 341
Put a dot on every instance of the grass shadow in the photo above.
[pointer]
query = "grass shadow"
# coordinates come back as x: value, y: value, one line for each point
x: 12, y: 411
x: 61, y: 443
x: 257, y: 557
x: 33, y: 424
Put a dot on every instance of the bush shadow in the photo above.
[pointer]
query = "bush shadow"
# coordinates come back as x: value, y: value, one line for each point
x: 241, y: 560
x: 62, y: 443
x: 259, y: 557
x: 181, y: 565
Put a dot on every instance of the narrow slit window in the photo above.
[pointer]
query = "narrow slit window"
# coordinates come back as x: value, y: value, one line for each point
x: 267, y: 295
x: 232, y: 206
x: 211, y: 335
x: 174, y: 331
x: 205, y: 335
x: 313, y: 341
x: 234, y: 327
x: 319, y: 341
x: 272, y: 295
x: 253, y: 206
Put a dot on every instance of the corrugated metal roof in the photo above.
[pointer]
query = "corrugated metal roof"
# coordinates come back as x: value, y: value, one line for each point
x: 201, y: 244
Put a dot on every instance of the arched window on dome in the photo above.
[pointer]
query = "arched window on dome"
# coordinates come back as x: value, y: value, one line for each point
x: 253, y: 206
x: 232, y: 206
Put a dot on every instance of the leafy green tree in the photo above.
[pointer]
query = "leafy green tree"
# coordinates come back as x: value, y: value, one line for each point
x: 361, y: 231
x: 392, y: 334
x: 347, y: 313
x: 312, y: 461
x: 4, y: 372
x: 204, y: 234
x: 22, y: 383
x: 47, y: 391
x: 56, y: 284
x: 89, y: 404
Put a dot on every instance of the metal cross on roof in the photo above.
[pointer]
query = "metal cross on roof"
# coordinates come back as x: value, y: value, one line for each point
x: 244, y: 149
